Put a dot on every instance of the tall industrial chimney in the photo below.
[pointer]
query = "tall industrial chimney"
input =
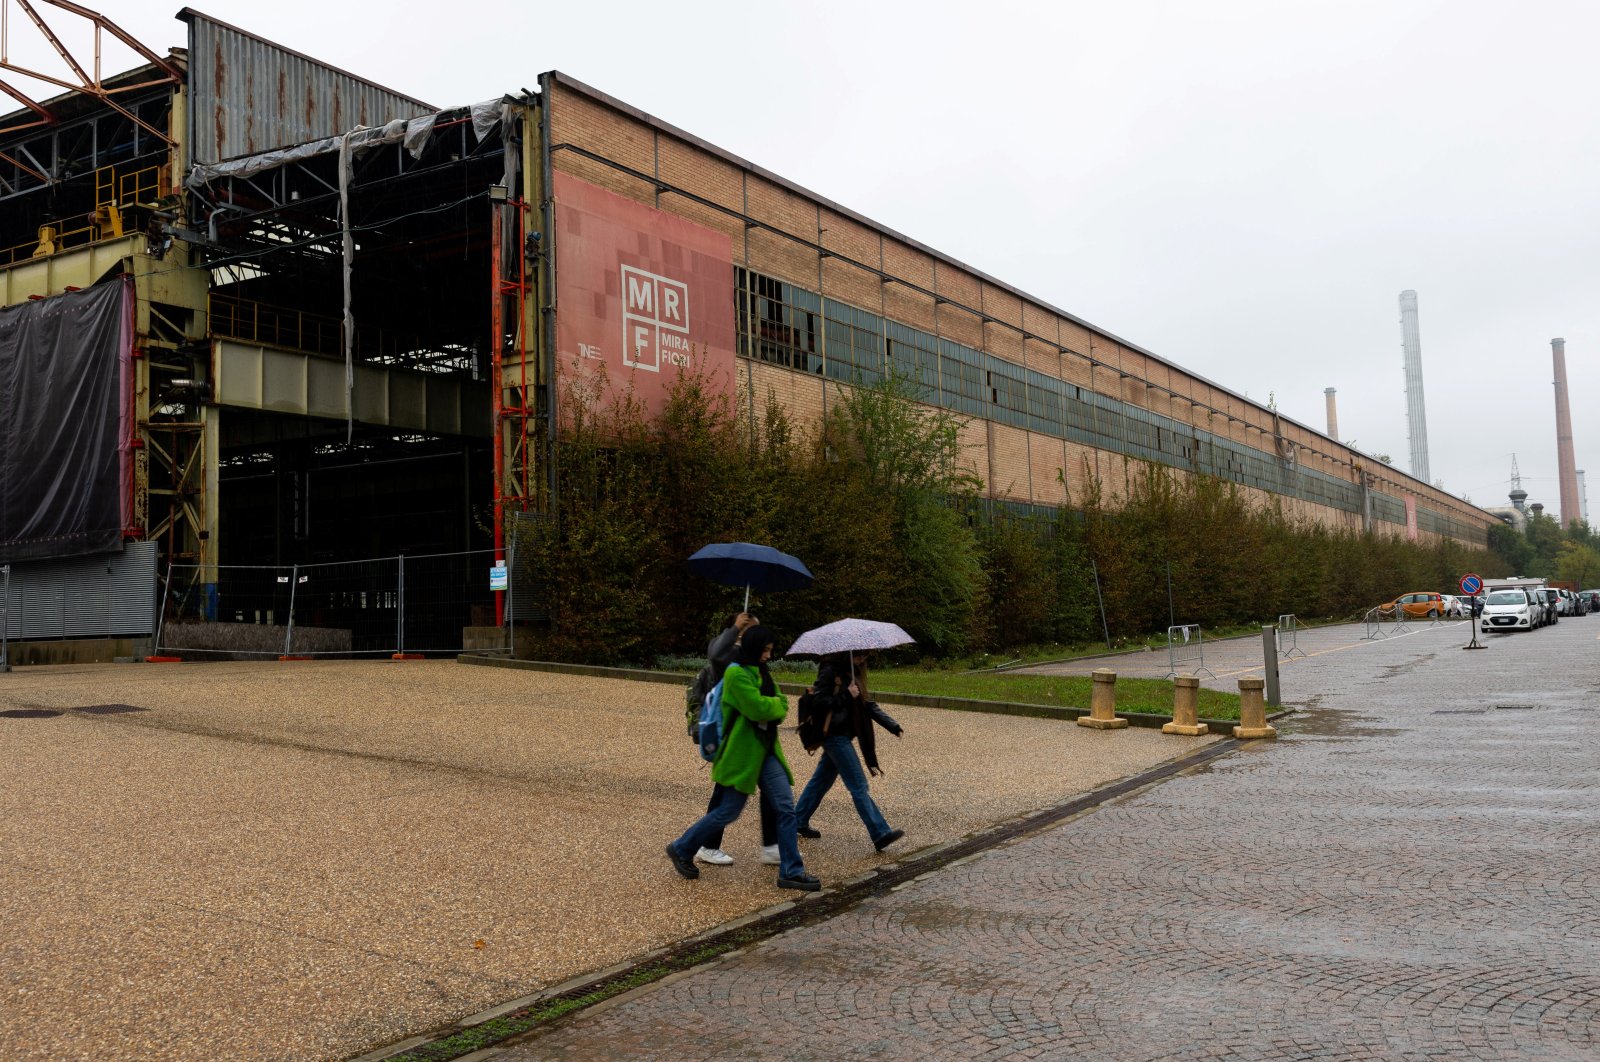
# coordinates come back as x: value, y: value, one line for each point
x: 1566, y: 460
x: 1333, y: 414
x: 1416, y: 417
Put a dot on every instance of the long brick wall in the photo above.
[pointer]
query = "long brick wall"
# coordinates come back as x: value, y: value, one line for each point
x: 783, y: 232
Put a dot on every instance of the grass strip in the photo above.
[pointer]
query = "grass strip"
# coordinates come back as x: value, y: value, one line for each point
x: 498, y: 1030
x: 1146, y: 696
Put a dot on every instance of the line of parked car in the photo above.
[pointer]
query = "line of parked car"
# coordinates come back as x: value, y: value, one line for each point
x: 1501, y: 608
x: 1527, y: 608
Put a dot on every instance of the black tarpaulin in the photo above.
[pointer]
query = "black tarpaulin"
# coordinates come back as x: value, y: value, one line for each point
x: 63, y: 455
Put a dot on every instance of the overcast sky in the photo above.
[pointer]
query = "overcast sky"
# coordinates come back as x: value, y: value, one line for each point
x: 1241, y: 187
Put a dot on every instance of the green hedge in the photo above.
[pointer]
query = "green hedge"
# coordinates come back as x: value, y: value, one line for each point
x: 875, y: 501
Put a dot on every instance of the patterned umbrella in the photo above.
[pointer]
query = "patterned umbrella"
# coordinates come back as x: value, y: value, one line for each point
x: 849, y: 636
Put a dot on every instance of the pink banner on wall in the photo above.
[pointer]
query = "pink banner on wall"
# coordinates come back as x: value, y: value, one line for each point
x: 1411, y: 517
x: 642, y: 295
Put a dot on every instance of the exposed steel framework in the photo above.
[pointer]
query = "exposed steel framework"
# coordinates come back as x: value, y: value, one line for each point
x: 169, y: 499
x: 515, y: 459
x: 89, y: 79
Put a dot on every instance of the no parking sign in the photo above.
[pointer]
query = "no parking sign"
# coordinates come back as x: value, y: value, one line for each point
x: 1472, y: 585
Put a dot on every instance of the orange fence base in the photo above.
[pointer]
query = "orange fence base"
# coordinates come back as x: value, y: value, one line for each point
x: 294, y: 658
x: 406, y: 656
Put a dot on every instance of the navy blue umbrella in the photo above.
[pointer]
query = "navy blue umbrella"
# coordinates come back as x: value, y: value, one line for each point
x: 750, y: 566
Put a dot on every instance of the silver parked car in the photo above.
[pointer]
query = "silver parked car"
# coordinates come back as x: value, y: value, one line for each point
x: 1552, y: 600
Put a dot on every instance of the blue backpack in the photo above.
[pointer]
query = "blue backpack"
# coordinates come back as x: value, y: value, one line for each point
x: 709, y: 733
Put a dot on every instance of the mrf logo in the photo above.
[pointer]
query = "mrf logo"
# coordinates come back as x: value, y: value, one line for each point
x: 655, y: 320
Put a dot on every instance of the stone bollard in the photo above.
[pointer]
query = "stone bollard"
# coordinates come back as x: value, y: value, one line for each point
x: 1186, y: 708
x: 1253, y: 711
x: 1103, y: 702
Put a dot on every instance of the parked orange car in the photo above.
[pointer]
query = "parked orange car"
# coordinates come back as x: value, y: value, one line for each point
x: 1426, y: 605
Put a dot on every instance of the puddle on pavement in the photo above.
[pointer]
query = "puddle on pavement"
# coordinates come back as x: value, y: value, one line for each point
x: 1393, y: 670
x: 1334, y: 724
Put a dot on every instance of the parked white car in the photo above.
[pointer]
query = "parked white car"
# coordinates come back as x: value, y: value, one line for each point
x: 1453, y: 606
x: 1511, y: 610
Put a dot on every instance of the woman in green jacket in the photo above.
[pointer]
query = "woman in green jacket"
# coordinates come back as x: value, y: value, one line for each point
x: 749, y: 757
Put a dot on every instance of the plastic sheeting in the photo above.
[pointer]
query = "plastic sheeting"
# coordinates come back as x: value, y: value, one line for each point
x: 413, y: 134
x: 63, y: 429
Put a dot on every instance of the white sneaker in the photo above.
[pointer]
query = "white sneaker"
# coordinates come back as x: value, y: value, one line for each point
x: 715, y: 856
x: 769, y: 855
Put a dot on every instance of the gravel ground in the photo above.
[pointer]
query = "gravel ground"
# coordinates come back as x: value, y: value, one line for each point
x: 308, y: 860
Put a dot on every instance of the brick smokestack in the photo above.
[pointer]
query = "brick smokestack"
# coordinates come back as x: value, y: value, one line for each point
x: 1333, y: 413
x: 1566, y: 459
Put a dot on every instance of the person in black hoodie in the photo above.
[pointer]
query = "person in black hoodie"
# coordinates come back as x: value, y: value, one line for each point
x: 843, y: 713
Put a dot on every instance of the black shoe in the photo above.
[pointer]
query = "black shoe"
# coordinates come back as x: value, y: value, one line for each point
x: 887, y: 839
x: 682, y: 864
x: 805, y: 883
x: 807, y: 831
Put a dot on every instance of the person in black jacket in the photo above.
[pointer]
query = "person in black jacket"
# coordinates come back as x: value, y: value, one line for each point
x: 722, y: 651
x: 843, y: 713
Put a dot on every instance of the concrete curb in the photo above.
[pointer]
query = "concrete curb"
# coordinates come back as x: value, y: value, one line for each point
x: 915, y: 700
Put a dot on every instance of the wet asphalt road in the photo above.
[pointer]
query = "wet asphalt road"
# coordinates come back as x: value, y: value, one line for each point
x: 1410, y: 871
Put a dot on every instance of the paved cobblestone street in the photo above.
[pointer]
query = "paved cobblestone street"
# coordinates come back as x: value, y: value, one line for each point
x: 1411, y: 871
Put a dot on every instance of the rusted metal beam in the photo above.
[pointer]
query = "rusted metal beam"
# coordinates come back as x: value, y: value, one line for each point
x: 28, y: 102
x: 45, y: 117
x: 87, y: 83
x: 101, y: 22
x: 19, y: 164
x: 61, y: 49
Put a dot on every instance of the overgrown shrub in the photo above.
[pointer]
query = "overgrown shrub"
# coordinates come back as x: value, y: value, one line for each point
x: 875, y: 500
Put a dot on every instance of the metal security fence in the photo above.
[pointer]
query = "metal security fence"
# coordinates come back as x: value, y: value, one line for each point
x: 1186, y: 650
x: 1289, y: 636
x: 1383, y: 621
x: 380, y: 606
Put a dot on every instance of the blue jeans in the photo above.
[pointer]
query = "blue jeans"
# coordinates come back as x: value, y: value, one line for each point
x: 729, y: 802
x: 769, y: 821
x: 839, y: 760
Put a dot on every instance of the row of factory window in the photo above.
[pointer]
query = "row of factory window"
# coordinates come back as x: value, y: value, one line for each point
x: 787, y: 325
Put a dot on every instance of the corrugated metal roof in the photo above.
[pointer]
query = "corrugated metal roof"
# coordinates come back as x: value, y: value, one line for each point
x: 249, y: 95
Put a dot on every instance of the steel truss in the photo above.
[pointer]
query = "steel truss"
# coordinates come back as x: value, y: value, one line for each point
x: 75, y: 147
x: 21, y: 165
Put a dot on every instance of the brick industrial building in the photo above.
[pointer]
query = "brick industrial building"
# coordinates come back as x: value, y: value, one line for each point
x: 825, y: 295
x: 346, y: 315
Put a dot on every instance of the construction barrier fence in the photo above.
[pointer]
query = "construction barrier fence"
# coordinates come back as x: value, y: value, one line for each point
x: 381, y: 606
x: 1186, y: 650
x: 1288, y: 636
